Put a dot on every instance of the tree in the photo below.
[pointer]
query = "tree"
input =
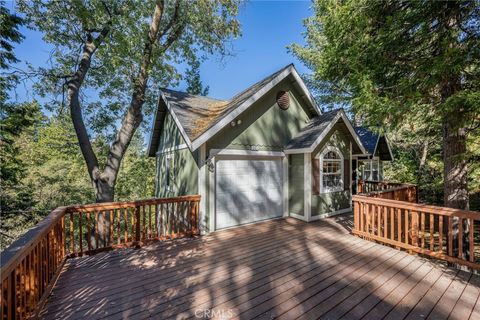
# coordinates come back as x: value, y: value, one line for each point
x: 397, y: 61
x: 194, y: 82
x: 114, y: 51
x: 9, y: 35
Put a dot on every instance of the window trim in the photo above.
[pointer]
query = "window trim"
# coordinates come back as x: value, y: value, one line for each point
x: 370, y: 162
x: 342, y: 170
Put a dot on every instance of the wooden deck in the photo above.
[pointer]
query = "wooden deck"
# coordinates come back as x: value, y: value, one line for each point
x: 283, y: 269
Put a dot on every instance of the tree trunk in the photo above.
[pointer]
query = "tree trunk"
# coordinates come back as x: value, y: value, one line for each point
x: 455, y: 179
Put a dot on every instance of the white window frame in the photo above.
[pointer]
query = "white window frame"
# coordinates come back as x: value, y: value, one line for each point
x: 370, y: 164
x: 342, y: 169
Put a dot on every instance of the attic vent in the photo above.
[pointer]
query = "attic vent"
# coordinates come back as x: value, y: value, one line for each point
x: 283, y: 100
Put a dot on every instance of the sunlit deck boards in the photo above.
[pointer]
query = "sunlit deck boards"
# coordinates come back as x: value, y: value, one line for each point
x: 282, y: 268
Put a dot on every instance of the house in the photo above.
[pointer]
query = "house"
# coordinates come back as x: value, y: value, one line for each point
x: 268, y: 152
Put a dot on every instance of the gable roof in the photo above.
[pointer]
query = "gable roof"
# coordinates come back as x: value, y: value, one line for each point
x: 372, y: 141
x: 317, y: 129
x: 199, y: 118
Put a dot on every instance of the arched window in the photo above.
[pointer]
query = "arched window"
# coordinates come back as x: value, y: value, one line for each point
x: 331, y: 173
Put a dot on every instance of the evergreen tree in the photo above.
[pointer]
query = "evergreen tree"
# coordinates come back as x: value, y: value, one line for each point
x: 194, y: 82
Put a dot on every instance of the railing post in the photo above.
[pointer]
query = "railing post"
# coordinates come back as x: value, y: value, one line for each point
x: 356, y: 215
x: 137, y: 226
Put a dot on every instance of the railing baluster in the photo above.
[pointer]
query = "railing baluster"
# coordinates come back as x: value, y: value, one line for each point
x: 422, y: 226
x: 385, y: 222
x: 80, y: 232
x: 157, y: 234
x: 432, y: 231
x: 110, y: 214
x: 119, y: 229
x: 89, y: 232
x: 440, y: 233
x: 72, y: 249
x: 96, y: 213
x: 125, y: 224
x: 450, y: 238
x: 460, y: 238
x: 471, y: 240
x: 407, y: 228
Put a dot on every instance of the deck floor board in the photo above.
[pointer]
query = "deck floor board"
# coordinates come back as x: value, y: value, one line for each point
x: 283, y: 268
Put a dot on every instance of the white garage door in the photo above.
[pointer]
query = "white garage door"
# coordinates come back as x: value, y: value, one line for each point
x: 248, y: 190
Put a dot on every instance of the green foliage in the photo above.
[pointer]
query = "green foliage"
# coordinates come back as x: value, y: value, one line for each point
x: 50, y: 171
x: 136, y: 179
x: 9, y: 36
x: 390, y: 61
x: 206, y: 27
x: 194, y: 82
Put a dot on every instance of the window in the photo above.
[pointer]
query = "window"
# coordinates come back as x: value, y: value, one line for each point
x: 169, y: 167
x: 331, y: 178
x: 370, y: 170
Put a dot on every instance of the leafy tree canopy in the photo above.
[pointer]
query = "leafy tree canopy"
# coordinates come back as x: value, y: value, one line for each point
x: 388, y: 59
x: 201, y: 27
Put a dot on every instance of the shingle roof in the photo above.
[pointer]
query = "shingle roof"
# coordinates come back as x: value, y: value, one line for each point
x: 197, y: 114
x: 369, y: 139
x: 307, y: 136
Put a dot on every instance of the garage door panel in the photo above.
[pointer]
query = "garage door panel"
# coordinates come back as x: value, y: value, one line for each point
x: 248, y: 191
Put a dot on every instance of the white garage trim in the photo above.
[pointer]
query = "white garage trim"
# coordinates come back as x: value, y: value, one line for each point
x: 258, y: 199
x: 236, y: 152
x: 307, y: 178
x: 202, y: 189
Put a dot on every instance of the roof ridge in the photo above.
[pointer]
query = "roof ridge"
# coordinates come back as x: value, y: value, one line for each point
x: 260, y: 81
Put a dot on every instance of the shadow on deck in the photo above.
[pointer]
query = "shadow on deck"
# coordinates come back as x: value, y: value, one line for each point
x: 282, y: 268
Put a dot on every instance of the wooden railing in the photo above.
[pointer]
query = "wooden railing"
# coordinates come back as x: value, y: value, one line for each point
x: 419, y: 228
x: 388, y: 190
x: 30, y: 266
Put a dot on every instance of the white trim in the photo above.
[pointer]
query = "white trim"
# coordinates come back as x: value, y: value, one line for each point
x: 204, y: 137
x: 342, y: 169
x: 166, y: 150
x: 350, y: 173
x: 177, y: 122
x: 297, y: 216
x: 305, y: 90
x: 307, y: 192
x: 388, y: 145
x: 212, y: 185
x: 153, y: 124
x: 202, y: 190
x: 330, y: 214
x: 237, y: 152
x: 341, y: 114
x: 285, y: 186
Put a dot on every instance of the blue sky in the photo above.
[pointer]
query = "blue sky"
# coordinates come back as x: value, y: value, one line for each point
x: 267, y: 28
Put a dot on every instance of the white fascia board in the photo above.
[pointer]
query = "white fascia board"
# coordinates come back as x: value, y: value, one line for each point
x: 236, y: 152
x: 177, y: 122
x: 204, y: 137
x: 389, y: 149
x: 324, y: 133
x: 305, y: 90
x: 153, y: 124
x: 352, y: 132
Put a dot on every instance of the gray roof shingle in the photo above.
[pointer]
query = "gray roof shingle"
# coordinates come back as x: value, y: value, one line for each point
x: 307, y: 136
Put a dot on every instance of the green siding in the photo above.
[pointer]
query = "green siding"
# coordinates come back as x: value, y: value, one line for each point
x: 264, y: 126
x: 170, y: 136
x: 333, y: 201
x: 296, y: 184
x: 185, y: 169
